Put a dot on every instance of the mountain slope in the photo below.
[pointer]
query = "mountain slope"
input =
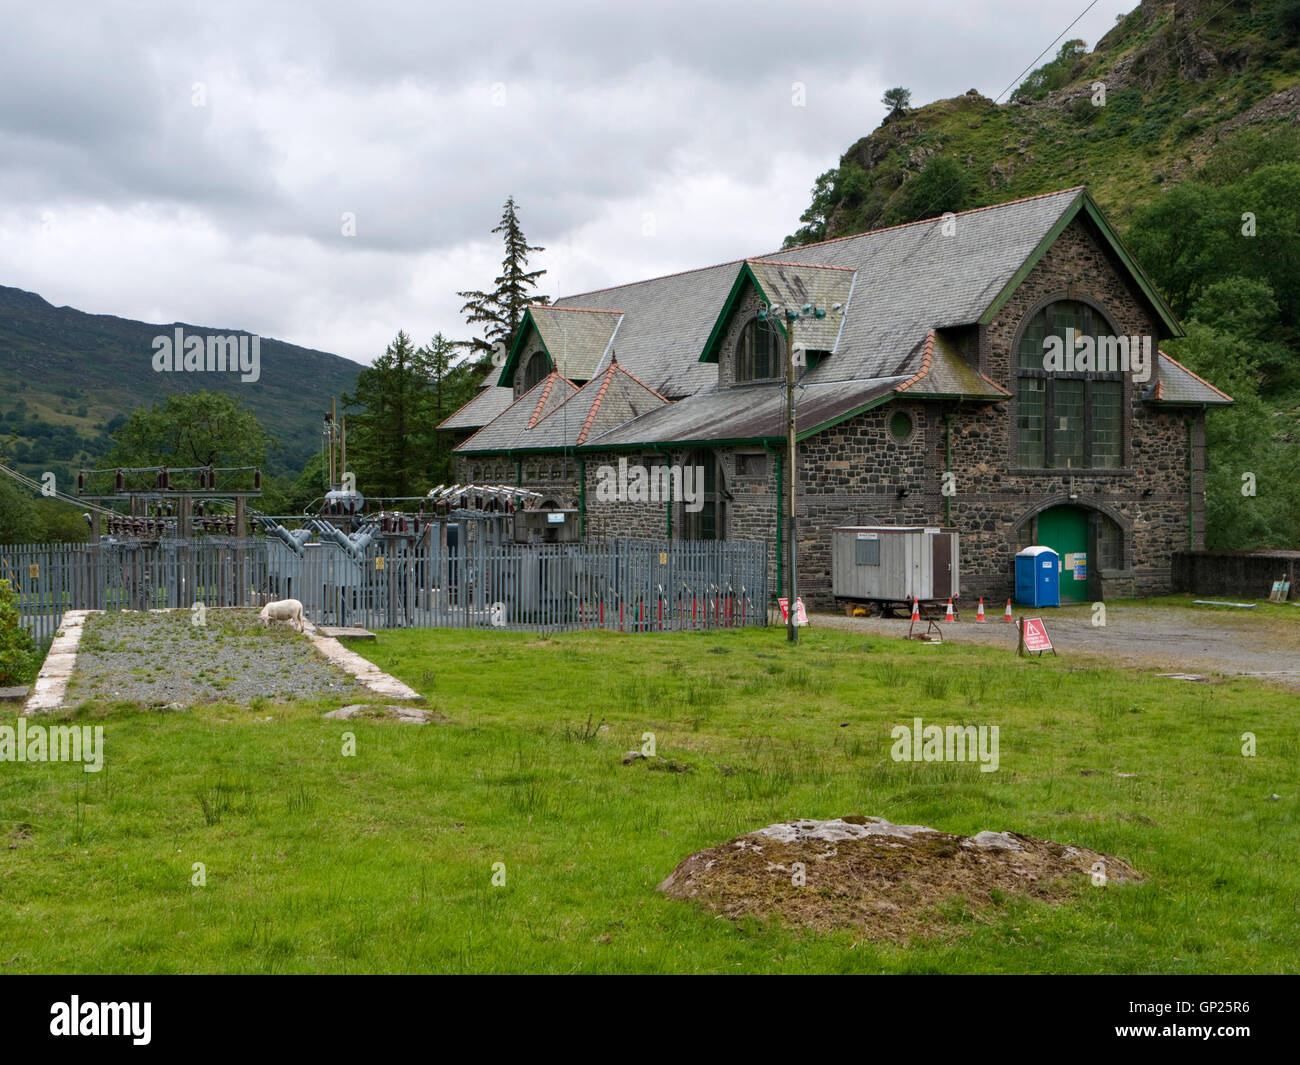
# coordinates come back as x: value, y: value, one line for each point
x: 1174, y: 79
x: 68, y: 376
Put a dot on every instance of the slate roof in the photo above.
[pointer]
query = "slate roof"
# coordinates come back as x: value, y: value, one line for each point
x: 612, y: 398
x: 577, y: 339
x: 748, y: 413
x: 510, y: 429
x: 1175, y: 384
x: 945, y: 373
x: 794, y: 284
x: 910, y: 279
x: 900, y: 288
x: 490, y: 401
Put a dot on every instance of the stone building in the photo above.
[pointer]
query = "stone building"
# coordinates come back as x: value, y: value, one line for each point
x: 934, y: 391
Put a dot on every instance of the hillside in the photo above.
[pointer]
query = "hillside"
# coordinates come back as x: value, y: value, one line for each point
x: 69, y: 378
x: 1177, y: 78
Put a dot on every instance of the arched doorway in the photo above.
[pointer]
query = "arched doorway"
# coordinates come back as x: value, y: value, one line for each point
x: 1087, y: 540
x: 1065, y: 531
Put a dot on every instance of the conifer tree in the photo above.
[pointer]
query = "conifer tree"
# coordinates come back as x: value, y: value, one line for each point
x: 500, y: 311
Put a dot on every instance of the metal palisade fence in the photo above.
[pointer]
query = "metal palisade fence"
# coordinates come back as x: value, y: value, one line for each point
x: 623, y: 585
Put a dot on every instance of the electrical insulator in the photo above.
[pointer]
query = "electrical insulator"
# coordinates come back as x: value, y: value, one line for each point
x: 121, y: 481
x: 81, y: 482
x: 257, y: 480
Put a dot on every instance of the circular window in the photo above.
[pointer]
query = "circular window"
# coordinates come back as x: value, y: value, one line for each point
x: 900, y: 425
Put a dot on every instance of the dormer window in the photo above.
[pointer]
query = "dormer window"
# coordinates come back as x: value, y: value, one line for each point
x: 537, y: 367
x: 758, y: 352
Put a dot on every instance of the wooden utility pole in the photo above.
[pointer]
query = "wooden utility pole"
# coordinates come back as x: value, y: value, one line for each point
x: 792, y: 629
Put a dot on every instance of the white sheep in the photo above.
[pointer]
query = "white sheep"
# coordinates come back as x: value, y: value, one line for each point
x: 289, y: 610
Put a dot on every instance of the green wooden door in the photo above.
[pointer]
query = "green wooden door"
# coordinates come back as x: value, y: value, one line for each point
x: 1065, y: 531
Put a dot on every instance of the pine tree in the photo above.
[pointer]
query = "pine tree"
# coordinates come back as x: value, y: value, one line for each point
x: 501, y: 310
x: 390, y: 437
x: 450, y: 386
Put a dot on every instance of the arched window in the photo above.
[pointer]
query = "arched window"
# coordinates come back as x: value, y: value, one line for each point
x: 705, y: 513
x: 1066, y: 418
x: 758, y: 352
x: 537, y: 367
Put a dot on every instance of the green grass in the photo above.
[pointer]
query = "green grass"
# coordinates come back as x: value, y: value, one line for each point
x: 383, y: 861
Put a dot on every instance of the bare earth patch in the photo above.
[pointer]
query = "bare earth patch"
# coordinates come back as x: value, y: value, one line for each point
x: 891, y: 881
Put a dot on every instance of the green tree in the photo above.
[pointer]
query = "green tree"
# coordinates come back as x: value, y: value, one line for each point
x: 1054, y: 74
x: 18, y: 660
x: 390, y: 437
x: 942, y: 186
x: 1247, y: 438
x: 188, y: 430
x: 897, y: 99
x: 500, y: 311
x: 452, y: 384
x: 19, y: 522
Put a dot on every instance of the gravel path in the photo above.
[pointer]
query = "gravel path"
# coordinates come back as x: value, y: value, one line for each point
x: 160, y: 658
x: 1162, y: 638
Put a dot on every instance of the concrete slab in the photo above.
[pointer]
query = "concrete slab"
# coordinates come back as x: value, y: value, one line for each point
x: 346, y: 632
x: 52, y: 682
x: 365, y: 671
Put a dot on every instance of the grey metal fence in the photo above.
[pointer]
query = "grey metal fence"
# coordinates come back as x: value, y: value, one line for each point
x: 131, y: 575
x: 624, y: 585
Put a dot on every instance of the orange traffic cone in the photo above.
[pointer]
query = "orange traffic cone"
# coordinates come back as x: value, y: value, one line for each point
x: 979, y: 614
x: 916, y: 609
x: 948, y: 615
x: 1007, y: 616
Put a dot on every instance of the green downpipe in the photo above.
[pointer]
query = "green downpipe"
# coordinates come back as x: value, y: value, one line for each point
x: 582, y: 498
x: 780, y: 555
x: 668, y: 506
x: 947, y: 466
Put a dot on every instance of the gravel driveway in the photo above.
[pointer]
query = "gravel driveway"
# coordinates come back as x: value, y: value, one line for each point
x: 1163, y: 638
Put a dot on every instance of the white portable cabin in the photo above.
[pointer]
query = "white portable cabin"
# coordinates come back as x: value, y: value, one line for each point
x: 894, y: 563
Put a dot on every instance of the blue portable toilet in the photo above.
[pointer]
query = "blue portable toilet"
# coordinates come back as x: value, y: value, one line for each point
x: 1038, y: 571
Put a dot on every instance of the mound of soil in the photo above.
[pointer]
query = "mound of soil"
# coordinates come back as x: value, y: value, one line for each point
x: 891, y: 881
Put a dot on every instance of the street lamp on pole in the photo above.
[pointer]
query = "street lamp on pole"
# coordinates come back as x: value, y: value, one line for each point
x: 791, y: 315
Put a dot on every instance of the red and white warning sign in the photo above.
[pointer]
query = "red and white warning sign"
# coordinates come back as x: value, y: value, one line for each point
x: 1033, y: 636
x: 800, y: 615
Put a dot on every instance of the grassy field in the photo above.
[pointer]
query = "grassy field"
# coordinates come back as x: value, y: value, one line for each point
x: 384, y: 860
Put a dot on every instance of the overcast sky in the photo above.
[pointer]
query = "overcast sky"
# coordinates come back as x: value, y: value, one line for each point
x: 194, y: 162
